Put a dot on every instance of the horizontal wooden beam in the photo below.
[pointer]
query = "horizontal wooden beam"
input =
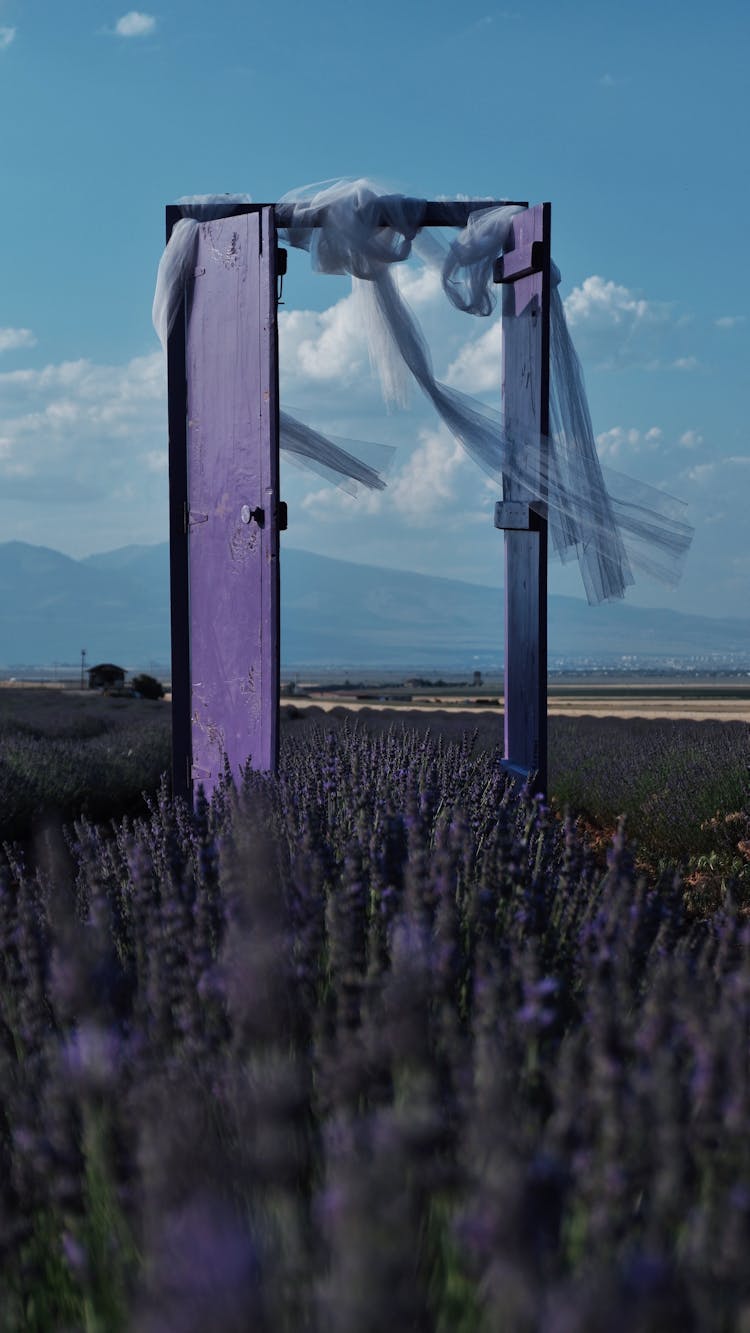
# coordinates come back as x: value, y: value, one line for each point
x: 437, y: 212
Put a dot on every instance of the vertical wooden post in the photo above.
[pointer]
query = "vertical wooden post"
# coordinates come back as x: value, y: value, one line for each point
x: 224, y: 467
x: 525, y: 272
x: 178, y: 548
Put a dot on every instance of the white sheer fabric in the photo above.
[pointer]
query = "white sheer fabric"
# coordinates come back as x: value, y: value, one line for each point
x: 348, y: 464
x: 606, y: 520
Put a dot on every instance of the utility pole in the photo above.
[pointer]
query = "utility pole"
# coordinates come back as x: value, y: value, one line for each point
x: 83, y: 664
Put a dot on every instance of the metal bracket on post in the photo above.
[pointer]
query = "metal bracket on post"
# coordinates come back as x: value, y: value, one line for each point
x: 281, y: 266
x: 513, y: 515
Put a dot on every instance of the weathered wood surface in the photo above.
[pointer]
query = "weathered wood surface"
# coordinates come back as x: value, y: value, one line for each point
x: 178, y: 554
x: 437, y: 212
x: 233, y: 475
x: 224, y: 498
x: 525, y: 376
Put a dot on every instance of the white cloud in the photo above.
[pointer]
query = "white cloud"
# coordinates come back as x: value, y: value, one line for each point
x: 321, y: 346
x: 686, y: 363
x: 7, y: 35
x: 701, y: 472
x: 615, y: 327
x: 427, y: 479
x: 135, y: 24
x: 419, y: 285
x: 330, y: 499
x: 477, y: 368
x: 602, y: 303
x: 691, y: 439
x: 10, y: 339
x: 729, y: 321
x: 77, y: 425
x: 156, y: 460
x: 617, y: 441
x: 424, y: 487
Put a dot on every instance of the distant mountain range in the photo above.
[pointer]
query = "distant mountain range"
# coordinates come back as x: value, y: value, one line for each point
x: 334, y: 612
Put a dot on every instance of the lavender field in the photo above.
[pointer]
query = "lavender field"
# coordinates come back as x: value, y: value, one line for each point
x: 383, y: 1043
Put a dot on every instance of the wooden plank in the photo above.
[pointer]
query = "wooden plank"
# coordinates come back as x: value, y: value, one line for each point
x: 519, y: 263
x: 178, y: 553
x: 438, y: 213
x: 525, y: 317
x: 233, y: 498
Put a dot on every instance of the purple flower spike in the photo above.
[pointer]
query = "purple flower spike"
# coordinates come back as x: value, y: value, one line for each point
x: 206, y: 1274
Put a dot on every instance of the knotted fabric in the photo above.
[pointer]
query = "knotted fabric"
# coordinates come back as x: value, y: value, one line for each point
x: 605, y: 519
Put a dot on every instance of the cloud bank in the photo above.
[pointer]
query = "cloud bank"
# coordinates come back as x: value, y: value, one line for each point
x: 76, y: 428
x: 86, y: 444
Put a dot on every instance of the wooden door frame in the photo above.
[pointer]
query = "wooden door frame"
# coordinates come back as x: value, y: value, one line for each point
x: 524, y: 272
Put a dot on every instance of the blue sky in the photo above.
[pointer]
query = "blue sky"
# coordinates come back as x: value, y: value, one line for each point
x: 631, y: 118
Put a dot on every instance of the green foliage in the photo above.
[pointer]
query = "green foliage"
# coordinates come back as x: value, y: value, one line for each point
x: 147, y: 686
x: 41, y: 1292
x: 671, y: 780
x: 64, y: 757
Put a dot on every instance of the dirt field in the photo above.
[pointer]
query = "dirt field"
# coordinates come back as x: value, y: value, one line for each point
x: 700, y: 701
x: 699, y: 710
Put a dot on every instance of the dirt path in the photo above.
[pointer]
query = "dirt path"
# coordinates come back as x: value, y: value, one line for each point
x: 702, y: 710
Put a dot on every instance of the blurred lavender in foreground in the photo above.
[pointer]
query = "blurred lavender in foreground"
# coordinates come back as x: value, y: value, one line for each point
x: 376, y: 1044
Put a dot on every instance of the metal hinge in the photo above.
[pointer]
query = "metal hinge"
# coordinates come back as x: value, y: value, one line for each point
x: 281, y: 260
x: 191, y: 516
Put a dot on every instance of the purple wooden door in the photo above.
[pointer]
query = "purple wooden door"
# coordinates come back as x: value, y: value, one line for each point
x: 525, y: 275
x: 232, y: 508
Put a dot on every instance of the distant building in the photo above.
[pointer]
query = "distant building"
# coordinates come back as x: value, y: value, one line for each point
x: 477, y: 678
x: 106, y: 676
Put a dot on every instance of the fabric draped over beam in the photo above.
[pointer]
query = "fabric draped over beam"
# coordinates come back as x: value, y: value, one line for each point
x: 610, y: 522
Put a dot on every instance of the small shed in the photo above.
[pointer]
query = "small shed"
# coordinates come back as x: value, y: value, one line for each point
x: 106, y: 676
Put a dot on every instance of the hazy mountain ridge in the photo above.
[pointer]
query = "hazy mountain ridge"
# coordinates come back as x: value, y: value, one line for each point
x: 116, y: 605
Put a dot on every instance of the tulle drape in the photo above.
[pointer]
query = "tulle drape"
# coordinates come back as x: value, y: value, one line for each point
x: 359, y: 463
x: 605, y: 519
